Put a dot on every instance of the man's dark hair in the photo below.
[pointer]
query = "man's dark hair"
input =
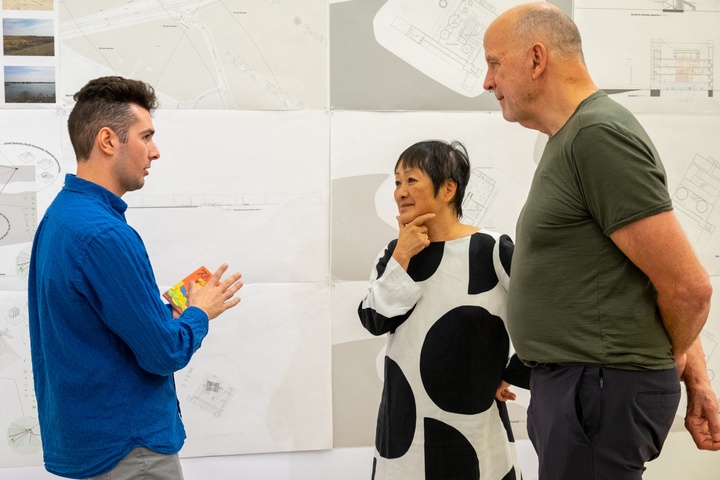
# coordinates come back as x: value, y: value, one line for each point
x: 105, y: 102
x: 440, y: 161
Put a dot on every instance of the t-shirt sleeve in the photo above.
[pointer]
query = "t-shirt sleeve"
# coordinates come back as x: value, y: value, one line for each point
x: 620, y: 176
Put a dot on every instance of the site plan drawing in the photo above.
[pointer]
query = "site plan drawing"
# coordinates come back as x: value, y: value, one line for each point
x: 201, y: 54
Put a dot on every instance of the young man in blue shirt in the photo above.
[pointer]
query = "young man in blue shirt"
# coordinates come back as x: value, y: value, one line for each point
x: 104, y: 345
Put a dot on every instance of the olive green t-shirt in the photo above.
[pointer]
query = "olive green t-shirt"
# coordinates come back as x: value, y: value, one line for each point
x: 574, y: 297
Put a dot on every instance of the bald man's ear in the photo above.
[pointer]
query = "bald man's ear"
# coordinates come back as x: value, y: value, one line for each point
x: 539, y: 59
x: 107, y: 141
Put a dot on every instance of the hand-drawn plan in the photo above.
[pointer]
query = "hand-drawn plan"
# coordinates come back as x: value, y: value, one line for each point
x: 201, y: 54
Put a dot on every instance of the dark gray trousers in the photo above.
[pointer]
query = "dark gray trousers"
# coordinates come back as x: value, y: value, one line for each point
x: 597, y: 423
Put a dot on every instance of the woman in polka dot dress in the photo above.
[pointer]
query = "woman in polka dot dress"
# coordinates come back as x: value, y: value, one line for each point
x: 439, y: 291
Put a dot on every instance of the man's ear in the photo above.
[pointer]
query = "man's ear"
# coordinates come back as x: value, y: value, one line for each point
x: 538, y: 54
x: 107, y: 141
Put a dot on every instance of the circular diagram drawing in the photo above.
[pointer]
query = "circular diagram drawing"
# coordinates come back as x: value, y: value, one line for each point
x: 24, y: 435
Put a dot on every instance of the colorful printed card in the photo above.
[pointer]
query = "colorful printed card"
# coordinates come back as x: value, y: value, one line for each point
x: 178, y: 295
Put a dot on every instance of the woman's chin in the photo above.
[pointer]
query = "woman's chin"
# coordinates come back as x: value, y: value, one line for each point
x: 405, y: 218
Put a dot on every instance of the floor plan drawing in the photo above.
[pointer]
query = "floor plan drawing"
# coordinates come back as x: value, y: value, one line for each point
x: 442, y: 39
x: 479, y: 194
x: 698, y: 194
x: 211, y: 395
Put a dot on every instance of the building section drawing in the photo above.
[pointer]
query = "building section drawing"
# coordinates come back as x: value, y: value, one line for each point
x: 681, y: 66
x: 656, y: 6
x: 232, y: 201
x: 443, y: 39
x: 681, y: 6
x: 698, y: 194
x: 663, y: 53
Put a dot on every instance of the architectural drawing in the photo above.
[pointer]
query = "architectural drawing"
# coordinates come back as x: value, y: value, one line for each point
x: 18, y: 218
x: 698, y: 194
x: 22, y: 262
x: 211, y: 395
x: 442, y: 39
x: 681, y: 66
x: 681, y: 6
x: 709, y: 346
x: 18, y: 408
x: 479, y: 194
x: 201, y: 54
x: 266, y: 181
x: 8, y: 355
x: 23, y: 435
x: 657, y: 6
x: 663, y: 53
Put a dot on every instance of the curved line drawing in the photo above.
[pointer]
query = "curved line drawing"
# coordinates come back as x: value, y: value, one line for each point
x: 23, y: 435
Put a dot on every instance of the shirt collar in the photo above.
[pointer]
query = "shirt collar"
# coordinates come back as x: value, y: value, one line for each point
x: 79, y: 185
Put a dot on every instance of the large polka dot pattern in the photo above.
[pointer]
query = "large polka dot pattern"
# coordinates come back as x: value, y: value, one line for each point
x: 395, y: 432
x: 448, y: 454
x: 482, y: 272
x: 446, y: 354
x: 451, y: 362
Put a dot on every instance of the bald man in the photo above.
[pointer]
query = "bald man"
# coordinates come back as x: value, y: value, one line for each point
x: 607, y: 298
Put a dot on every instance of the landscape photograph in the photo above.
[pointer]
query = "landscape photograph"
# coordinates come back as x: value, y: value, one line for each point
x: 28, y: 37
x: 29, y: 84
x: 27, y: 4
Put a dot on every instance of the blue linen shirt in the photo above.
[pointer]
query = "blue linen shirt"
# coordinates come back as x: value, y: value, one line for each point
x: 104, y: 344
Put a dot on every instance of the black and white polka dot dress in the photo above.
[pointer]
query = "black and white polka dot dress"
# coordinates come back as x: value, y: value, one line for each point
x: 447, y: 352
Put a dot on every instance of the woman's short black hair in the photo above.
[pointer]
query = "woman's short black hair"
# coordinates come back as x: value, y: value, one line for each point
x: 441, y: 161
